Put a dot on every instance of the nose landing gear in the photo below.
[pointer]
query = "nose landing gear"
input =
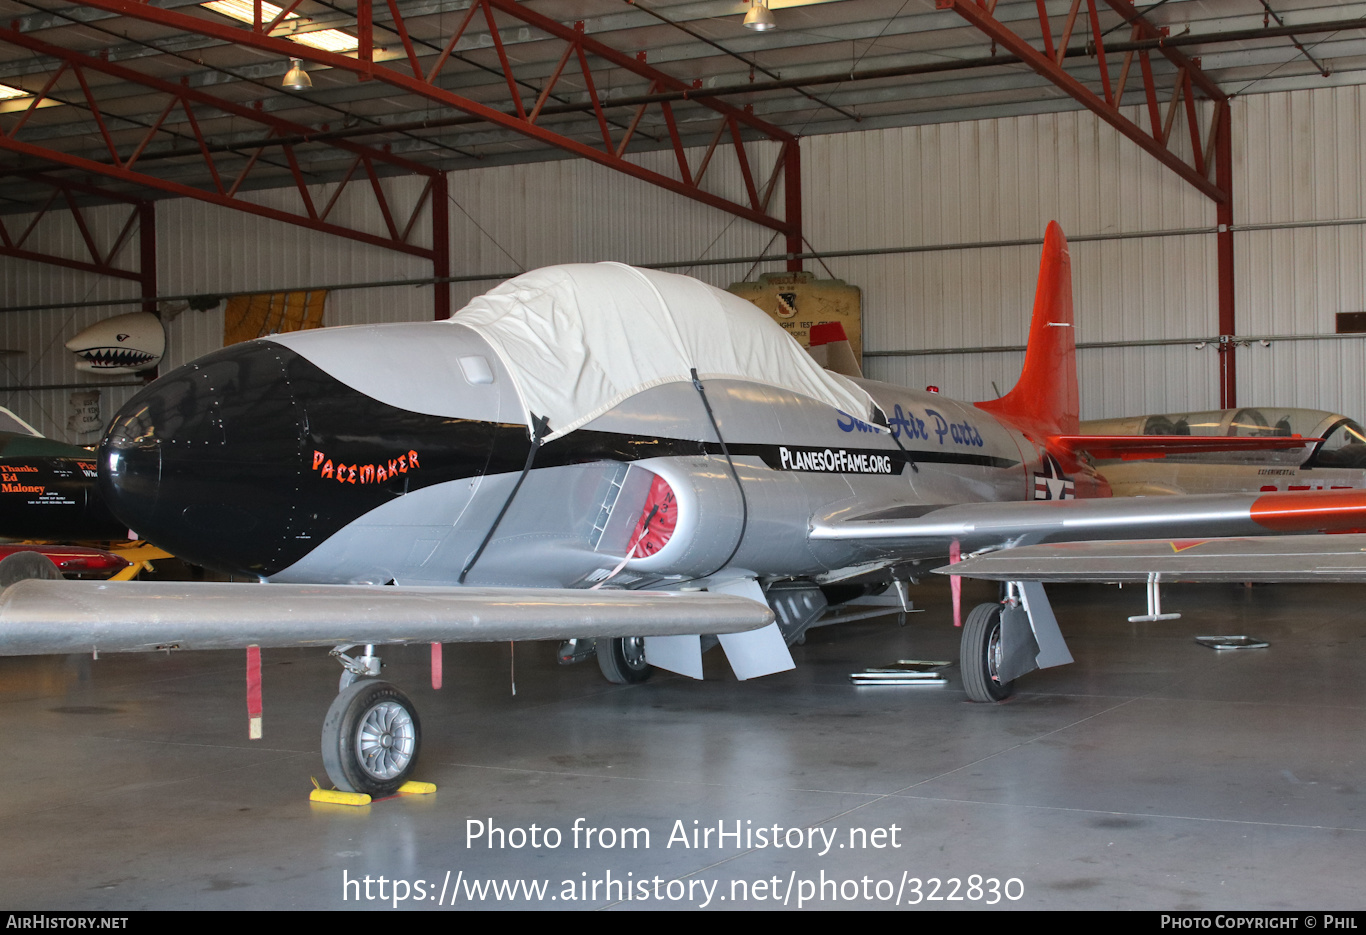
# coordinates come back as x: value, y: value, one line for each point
x: 371, y: 736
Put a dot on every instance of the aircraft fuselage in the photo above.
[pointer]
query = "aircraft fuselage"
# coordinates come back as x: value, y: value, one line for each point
x: 385, y: 453
x: 52, y: 496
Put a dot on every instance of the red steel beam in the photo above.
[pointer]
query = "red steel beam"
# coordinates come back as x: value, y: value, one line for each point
x: 86, y: 267
x: 1050, y: 69
x: 516, y: 122
x: 187, y: 191
x: 185, y: 96
x: 632, y: 64
x: 101, y: 264
x: 439, y: 254
x: 120, y: 169
x: 1146, y: 30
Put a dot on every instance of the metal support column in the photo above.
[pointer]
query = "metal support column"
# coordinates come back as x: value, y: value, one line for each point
x: 792, y: 189
x: 1223, y: 176
x: 441, y: 247
x: 147, y: 254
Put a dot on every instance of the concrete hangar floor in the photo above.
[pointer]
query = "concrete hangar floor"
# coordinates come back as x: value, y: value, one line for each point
x: 1154, y: 773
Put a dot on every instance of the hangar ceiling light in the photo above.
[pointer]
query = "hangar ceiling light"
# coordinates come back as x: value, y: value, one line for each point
x: 8, y: 93
x: 296, y: 79
x: 760, y: 18
x: 329, y: 40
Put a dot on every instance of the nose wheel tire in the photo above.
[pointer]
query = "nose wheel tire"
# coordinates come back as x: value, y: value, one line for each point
x: 371, y: 737
x: 622, y: 660
x: 980, y: 655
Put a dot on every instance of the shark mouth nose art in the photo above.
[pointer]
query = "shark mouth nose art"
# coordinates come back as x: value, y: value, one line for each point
x: 101, y: 357
x: 122, y: 344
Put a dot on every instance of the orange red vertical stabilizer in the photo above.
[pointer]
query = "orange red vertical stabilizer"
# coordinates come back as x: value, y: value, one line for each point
x: 1044, y: 402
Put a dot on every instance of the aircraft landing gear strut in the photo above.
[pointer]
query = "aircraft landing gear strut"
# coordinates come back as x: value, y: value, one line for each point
x: 371, y: 735
x: 1010, y: 638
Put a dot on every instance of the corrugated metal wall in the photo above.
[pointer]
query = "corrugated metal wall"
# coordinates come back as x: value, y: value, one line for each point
x: 520, y: 217
x: 1300, y: 157
x: 503, y: 219
x: 1001, y: 180
x: 33, y: 342
x: 204, y: 249
x: 948, y: 191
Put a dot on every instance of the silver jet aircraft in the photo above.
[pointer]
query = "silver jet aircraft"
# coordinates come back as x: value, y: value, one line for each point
x: 1337, y: 462
x: 595, y: 452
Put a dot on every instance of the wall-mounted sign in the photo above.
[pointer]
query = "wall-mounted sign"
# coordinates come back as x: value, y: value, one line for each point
x: 798, y: 301
x: 83, y: 422
x: 256, y: 316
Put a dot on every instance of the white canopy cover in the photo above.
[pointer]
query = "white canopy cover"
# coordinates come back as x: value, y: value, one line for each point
x: 581, y: 338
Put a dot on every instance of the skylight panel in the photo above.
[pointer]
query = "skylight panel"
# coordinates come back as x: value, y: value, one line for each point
x: 329, y: 40
x: 244, y: 12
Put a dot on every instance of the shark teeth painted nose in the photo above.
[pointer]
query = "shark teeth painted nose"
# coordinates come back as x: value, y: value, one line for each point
x: 115, y: 356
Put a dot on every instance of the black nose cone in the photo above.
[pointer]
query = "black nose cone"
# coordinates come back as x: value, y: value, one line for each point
x: 248, y: 459
x: 203, y: 462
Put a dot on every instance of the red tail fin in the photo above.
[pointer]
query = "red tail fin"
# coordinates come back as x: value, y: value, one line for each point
x: 1044, y: 402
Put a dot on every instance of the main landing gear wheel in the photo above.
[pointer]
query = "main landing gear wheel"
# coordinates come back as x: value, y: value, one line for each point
x: 371, y: 737
x: 622, y: 660
x: 980, y: 655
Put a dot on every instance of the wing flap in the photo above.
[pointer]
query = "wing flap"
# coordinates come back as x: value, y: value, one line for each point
x: 38, y: 617
x: 1339, y: 558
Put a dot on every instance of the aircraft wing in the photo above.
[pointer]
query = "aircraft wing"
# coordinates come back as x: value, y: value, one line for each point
x: 1340, y: 558
x: 987, y: 525
x: 1134, y: 447
x: 38, y: 617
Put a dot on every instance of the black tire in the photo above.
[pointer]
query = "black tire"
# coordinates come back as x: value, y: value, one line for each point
x: 22, y: 566
x: 981, y: 654
x: 622, y: 660
x: 371, y: 738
